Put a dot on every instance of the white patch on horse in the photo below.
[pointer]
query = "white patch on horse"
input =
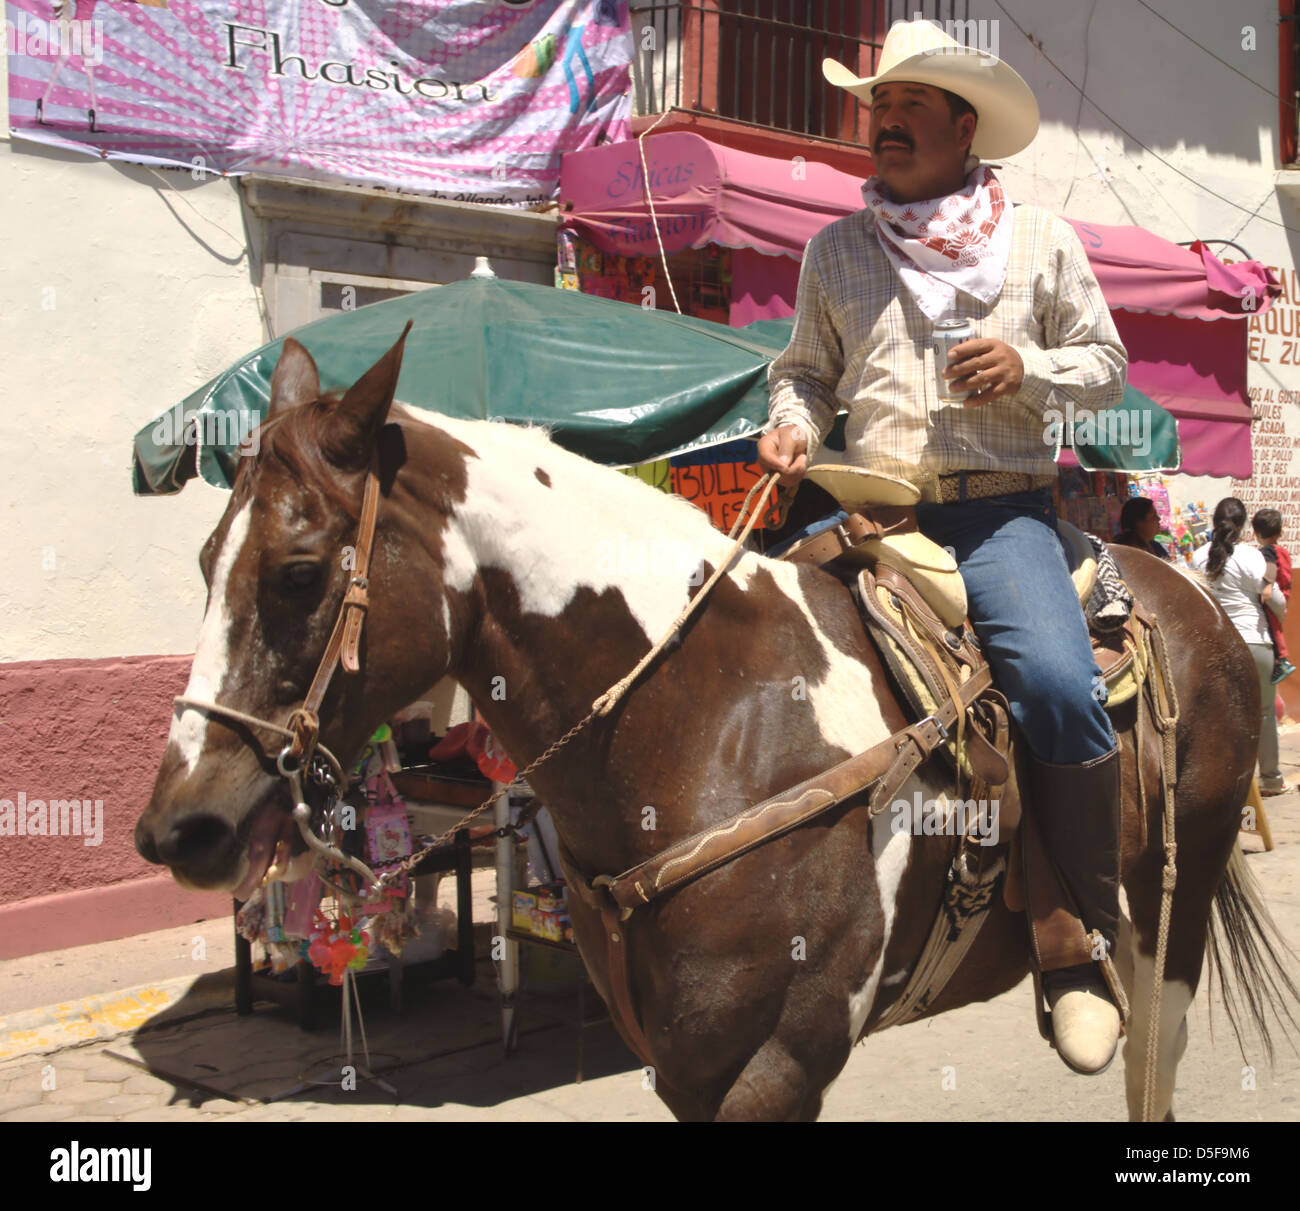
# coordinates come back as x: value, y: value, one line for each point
x: 189, y: 728
x: 893, y: 849
x: 594, y: 529
x: 590, y: 528
x: 844, y: 701
x: 1175, y: 999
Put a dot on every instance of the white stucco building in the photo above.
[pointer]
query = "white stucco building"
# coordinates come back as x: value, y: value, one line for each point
x: 126, y: 288
x: 1166, y: 116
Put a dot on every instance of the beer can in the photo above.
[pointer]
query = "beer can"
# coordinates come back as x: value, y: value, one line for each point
x: 948, y: 333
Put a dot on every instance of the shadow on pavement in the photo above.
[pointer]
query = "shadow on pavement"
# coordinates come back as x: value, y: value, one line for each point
x: 444, y: 1046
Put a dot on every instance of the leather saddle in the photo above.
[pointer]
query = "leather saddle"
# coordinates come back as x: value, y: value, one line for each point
x: 880, y: 535
x: 912, y: 601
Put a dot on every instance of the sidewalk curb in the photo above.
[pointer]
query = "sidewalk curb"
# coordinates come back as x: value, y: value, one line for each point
x: 97, y: 1019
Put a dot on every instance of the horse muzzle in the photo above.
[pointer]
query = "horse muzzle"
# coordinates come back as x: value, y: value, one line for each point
x: 206, y: 852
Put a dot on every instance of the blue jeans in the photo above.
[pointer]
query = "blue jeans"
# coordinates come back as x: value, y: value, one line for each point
x: 1026, y: 614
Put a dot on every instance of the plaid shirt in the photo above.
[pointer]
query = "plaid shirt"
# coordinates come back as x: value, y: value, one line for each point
x: 861, y: 344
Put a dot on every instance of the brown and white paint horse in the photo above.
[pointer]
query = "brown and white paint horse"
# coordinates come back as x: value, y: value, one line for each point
x: 501, y: 556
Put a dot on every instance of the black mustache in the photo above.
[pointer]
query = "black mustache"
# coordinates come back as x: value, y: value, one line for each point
x: 895, y: 137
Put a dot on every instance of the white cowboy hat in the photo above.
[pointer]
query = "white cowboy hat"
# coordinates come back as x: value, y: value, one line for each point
x: 921, y: 53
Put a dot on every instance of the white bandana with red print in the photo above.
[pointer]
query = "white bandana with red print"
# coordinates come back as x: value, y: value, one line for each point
x: 942, y: 245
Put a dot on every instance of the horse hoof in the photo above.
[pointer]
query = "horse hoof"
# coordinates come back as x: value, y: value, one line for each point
x: 1085, y: 1027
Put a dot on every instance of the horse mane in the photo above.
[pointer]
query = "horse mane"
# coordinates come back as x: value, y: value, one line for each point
x: 294, y: 441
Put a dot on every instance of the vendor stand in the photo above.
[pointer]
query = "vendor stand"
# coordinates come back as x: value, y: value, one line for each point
x: 402, y: 796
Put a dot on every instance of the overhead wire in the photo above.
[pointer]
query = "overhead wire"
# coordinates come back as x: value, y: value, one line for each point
x: 1078, y: 116
x: 1129, y: 134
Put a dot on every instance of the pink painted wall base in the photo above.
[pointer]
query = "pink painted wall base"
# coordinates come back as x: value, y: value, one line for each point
x: 92, y: 731
x: 103, y: 914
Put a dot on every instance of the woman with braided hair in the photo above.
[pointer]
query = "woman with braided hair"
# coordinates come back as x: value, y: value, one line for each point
x: 1237, y: 575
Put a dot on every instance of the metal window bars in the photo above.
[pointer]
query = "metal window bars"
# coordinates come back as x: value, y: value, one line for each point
x: 758, y: 62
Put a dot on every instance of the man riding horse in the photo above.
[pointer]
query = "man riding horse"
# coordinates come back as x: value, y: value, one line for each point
x: 938, y: 240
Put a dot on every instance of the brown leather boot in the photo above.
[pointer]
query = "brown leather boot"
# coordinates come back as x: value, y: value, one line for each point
x: 1077, y: 808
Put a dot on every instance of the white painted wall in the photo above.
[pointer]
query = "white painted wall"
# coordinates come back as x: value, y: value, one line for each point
x: 1176, y: 131
x: 124, y: 290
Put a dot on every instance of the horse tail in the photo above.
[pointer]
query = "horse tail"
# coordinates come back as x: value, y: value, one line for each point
x: 1241, y: 925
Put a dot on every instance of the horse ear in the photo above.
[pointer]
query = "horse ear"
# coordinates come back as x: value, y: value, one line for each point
x: 295, y: 380
x: 356, y: 419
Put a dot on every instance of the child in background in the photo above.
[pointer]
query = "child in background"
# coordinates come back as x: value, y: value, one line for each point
x: 1267, y: 524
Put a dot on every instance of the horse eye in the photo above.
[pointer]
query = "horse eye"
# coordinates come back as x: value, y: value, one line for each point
x: 299, y: 576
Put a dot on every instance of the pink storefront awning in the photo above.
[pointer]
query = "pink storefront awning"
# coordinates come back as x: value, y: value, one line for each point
x: 703, y: 194
x: 1141, y: 272
x: 1183, y: 317
x: 1182, y: 313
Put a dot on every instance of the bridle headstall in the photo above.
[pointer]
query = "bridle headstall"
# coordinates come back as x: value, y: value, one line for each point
x: 304, y: 754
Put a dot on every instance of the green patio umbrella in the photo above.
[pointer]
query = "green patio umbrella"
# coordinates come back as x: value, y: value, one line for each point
x: 614, y: 382
x: 1137, y: 435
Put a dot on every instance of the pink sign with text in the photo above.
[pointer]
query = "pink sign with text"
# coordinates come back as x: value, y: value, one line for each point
x: 470, y: 100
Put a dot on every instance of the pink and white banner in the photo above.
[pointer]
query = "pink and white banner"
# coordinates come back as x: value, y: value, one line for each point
x: 470, y: 100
